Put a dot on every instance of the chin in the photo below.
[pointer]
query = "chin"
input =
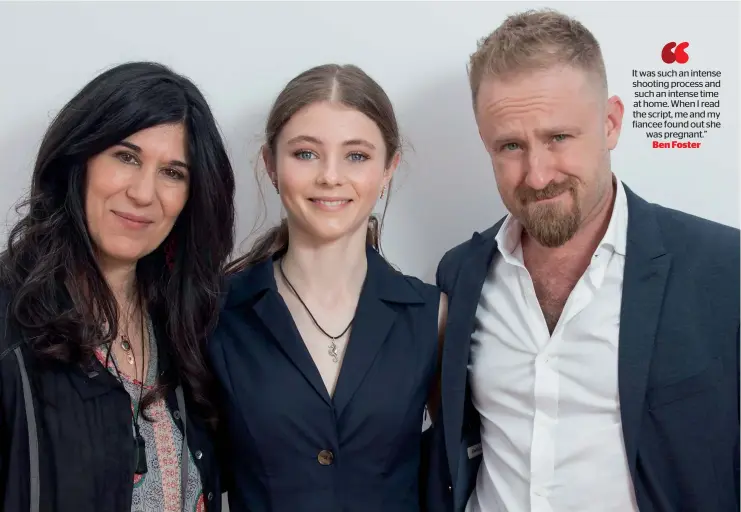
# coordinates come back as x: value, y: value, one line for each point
x: 328, y: 234
x: 124, y: 252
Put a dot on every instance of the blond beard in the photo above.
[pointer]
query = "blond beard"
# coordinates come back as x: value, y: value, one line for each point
x: 550, y: 224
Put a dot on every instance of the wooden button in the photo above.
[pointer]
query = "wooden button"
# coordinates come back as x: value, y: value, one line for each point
x: 325, y: 457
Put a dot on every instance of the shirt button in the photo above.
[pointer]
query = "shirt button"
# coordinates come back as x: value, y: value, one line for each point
x: 325, y: 457
x: 210, y: 496
x: 176, y: 415
x: 199, y: 454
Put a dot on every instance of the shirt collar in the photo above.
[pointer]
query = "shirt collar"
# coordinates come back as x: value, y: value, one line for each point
x: 617, y: 230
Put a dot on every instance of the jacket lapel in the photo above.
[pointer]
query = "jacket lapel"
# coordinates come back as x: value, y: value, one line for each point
x: 384, y: 288
x: 464, y: 299
x: 277, y: 319
x: 646, y: 268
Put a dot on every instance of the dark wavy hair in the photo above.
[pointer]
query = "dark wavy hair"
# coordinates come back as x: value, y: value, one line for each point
x: 58, y: 294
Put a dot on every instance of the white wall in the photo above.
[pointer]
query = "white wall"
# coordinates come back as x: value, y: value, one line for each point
x: 241, y: 54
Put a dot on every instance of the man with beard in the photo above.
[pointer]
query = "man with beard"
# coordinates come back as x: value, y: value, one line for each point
x: 591, y: 360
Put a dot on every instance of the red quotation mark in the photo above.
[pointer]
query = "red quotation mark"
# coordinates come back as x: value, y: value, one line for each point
x: 669, y: 54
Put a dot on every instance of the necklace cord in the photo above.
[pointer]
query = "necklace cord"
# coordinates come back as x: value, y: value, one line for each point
x: 334, y: 338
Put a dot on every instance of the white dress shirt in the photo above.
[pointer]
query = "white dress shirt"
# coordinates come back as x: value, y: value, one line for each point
x: 550, y: 412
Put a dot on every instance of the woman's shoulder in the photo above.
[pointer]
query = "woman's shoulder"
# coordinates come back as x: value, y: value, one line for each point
x: 242, y: 285
x: 427, y: 290
x: 8, y: 338
x: 10, y: 343
x: 411, y: 289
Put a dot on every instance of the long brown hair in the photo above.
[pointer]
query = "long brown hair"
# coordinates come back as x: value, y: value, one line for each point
x: 350, y: 86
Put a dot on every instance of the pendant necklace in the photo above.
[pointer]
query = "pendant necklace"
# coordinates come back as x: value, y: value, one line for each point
x: 140, y: 451
x: 125, y: 344
x: 126, y: 347
x: 332, y: 350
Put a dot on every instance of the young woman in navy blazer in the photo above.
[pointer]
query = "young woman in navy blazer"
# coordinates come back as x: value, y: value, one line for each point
x: 326, y: 355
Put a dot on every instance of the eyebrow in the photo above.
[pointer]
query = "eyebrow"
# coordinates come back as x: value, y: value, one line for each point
x: 514, y: 137
x: 134, y: 147
x: 314, y: 140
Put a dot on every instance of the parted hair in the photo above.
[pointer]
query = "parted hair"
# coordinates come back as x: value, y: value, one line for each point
x: 348, y: 85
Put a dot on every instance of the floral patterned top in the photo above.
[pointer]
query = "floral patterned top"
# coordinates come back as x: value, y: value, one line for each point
x: 158, y: 490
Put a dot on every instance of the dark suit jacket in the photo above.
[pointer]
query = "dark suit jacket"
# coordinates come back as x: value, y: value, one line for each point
x: 678, y: 362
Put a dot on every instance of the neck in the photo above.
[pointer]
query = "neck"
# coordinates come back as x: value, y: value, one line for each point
x: 330, y: 271
x: 121, y: 278
x: 585, y: 241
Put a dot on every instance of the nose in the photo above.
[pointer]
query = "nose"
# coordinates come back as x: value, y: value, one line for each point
x: 540, y: 170
x: 142, y: 186
x: 329, y: 172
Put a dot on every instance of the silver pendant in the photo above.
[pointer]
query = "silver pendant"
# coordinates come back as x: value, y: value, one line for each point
x: 333, y: 351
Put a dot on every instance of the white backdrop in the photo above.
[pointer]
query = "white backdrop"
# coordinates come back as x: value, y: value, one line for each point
x: 241, y: 54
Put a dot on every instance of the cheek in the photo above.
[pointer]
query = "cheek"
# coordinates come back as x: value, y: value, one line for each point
x: 101, y: 184
x: 509, y: 172
x: 294, y: 177
x: 173, y: 201
x: 581, y: 159
x: 368, y: 182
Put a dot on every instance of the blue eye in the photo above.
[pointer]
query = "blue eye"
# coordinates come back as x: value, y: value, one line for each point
x: 358, y: 157
x: 511, y: 146
x: 303, y: 155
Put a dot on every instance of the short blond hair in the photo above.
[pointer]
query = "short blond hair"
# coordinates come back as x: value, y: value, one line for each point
x: 533, y: 40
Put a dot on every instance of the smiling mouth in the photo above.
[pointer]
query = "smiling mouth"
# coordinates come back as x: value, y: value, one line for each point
x: 132, y: 218
x: 332, y: 203
x: 547, y: 199
x: 551, y: 198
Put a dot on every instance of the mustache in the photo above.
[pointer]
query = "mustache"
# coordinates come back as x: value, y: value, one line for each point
x: 526, y: 194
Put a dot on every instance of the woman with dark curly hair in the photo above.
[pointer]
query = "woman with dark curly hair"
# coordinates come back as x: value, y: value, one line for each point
x: 108, y: 286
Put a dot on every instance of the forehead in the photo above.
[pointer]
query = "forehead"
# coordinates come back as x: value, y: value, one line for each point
x: 331, y: 122
x: 554, y: 95
x: 167, y: 140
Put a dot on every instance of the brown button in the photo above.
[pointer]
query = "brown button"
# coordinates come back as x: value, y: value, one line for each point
x: 325, y: 457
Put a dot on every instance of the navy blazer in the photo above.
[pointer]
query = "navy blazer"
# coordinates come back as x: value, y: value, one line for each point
x: 678, y: 363
x: 290, y: 447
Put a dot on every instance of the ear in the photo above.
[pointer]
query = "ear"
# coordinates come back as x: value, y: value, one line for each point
x: 267, y: 158
x: 391, y: 169
x: 613, y: 121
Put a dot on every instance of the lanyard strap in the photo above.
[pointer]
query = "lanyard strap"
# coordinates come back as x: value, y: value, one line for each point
x: 184, y: 458
x: 33, y: 439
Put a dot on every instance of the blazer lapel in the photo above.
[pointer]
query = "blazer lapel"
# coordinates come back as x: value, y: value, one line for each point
x: 277, y: 319
x: 374, y: 319
x: 646, y: 268
x: 464, y: 299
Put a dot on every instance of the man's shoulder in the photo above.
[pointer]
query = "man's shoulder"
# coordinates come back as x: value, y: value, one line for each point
x: 450, y: 263
x: 703, y: 252
x: 693, y: 235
